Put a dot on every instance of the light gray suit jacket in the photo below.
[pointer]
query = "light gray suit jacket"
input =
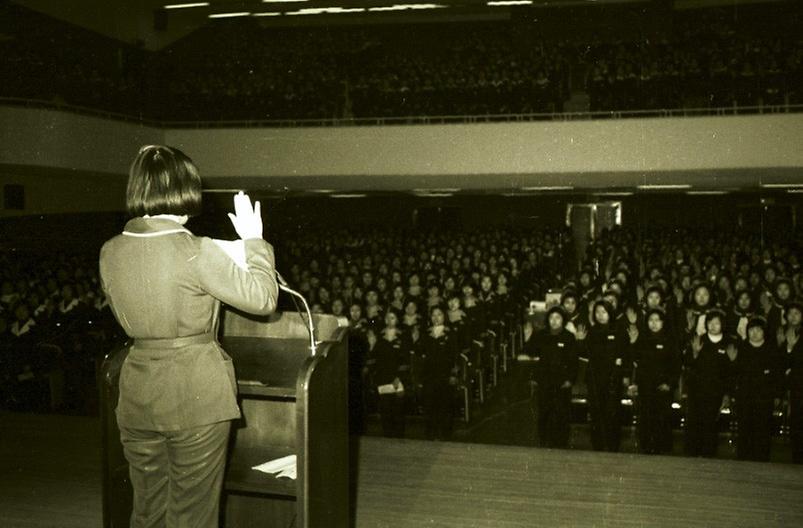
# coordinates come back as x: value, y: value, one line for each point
x: 162, y: 282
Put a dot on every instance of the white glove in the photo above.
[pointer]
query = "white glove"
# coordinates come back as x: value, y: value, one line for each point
x: 247, y: 220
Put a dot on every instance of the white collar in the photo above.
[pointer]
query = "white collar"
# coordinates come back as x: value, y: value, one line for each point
x: 175, y: 218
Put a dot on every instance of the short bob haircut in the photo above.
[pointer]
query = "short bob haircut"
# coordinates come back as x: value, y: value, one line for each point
x: 163, y: 180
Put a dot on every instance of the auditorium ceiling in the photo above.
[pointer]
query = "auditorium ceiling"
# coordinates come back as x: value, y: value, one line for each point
x: 149, y: 24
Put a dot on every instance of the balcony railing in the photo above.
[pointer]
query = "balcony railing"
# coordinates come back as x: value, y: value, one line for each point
x: 406, y: 120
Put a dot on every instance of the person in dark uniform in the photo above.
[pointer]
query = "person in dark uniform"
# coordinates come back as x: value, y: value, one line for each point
x: 757, y: 368
x: 739, y: 316
x: 177, y: 391
x: 574, y: 315
x: 439, y: 349
x: 700, y: 304
x: 388, y: 355
x: 791, y: 349
x: 781, y: 296
x: 554, y: 351
x: 706, y: 370
x: 607, y: 353
x: 358, y: 370
x: 657, y: 359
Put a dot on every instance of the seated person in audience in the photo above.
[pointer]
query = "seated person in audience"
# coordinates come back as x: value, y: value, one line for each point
x: 397, y: 300
x: 738, y: 317
x: 724, y: 291
x: 475, y: 318
x: 338, y: 308
x: 374, y: 312
x: 23, y: 323
x: 571, y: 308
x: 357, y: 322
x: 456, y: 319
x: 414, y: 290
x: 8, y: 294
x: 657, y: 370
x: 695, y: 315
x: 587, y: 289
x: 449, y: 287
x: 782, y: 295
x: 411, y: 317
x: 433, y: 295
x: 488, y: 303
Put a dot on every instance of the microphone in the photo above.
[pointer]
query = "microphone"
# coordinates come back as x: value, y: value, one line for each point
x: 310, y: 328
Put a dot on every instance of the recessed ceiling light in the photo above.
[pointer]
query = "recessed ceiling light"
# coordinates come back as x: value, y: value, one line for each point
x: 187, y: 5
x: 509, y: 2
x: 230, y: 15
x: 663, y: 186
x: 348, y: 195
x: 782, y: 185
x: 549, y: 188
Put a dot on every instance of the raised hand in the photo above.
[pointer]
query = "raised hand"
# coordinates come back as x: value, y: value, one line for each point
x: 792, y: 337
x: 679, y: 294
x: 632, y: 333
x: 582, y: 332
x: 696, y: 345
x: 765, y: 300
x: 631, y: 314
x: 691, y: 320
x: 780, y: 335
x: 247, y: 220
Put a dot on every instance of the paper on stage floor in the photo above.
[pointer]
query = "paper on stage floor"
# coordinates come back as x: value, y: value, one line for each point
x: 235, y: 249
x: 283, y: 467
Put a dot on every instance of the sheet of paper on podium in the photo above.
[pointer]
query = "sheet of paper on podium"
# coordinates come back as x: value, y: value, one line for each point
x: 282, y: 467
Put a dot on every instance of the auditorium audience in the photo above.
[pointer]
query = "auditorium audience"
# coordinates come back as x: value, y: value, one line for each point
x: 239, y: 70
x: 673, y: 308
x: 56, y: 325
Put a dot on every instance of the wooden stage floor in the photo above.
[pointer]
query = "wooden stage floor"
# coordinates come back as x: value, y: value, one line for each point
x: 50, y: 477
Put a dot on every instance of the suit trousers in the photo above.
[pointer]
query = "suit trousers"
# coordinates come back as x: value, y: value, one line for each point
x: 177, y: 476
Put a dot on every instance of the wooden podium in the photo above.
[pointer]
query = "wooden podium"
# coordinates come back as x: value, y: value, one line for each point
x: 292, y: 403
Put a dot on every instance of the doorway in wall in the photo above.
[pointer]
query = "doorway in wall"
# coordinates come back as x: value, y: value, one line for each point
x: 588, y: 220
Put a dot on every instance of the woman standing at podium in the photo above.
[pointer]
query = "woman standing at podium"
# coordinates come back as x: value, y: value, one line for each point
x: 177, y: 386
